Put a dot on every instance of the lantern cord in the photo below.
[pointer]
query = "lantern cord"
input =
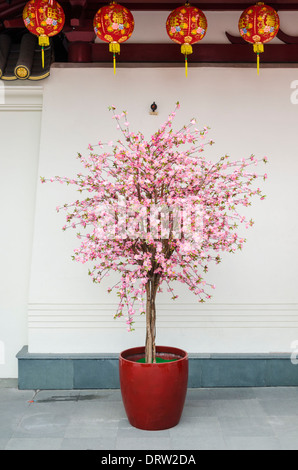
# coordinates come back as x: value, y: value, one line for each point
x: 114, y: 47
x: 258, y: 48
x: 43, y: 41
x: 186, y: 49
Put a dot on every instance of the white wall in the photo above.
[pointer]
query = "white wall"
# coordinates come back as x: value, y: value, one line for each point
x: 20, y: 113
x: 254, y: 308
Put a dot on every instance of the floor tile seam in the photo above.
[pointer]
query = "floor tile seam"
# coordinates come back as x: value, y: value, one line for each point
x: 23, y: 433
x: 8, y: 445
x: 279, y: 435
x: 20, y: 419
x: 271, y: 433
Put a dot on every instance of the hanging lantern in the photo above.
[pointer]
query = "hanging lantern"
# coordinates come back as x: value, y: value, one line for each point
x: 259, y: 24
x: 44, y: 18
x: 186, y: 25
x: 113, y: 24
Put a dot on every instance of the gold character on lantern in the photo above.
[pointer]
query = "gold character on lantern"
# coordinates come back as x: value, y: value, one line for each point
x: 261, y: 24
x: 244, y: 22
x: 202, y: 22
x: 118, y: 17
x: 51, y: 13
x: 174, y: 21
x: 270, y: 20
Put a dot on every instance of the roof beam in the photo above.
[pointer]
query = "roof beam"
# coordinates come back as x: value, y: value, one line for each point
x: 168, y: 53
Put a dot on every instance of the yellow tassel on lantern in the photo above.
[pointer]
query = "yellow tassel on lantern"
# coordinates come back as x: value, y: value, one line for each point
x: 114, y: 47
x: 258, y: 48
x: 186, y: 49
x: 43, y: 41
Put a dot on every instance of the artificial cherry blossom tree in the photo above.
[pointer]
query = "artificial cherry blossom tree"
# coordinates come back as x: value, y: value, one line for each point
x: 157, y: 212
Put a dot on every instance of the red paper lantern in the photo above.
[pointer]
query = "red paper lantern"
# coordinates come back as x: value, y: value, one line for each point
x: 113, y: 24
x: 186, y: 25
x: 44, y: 18
x: 258, y: 25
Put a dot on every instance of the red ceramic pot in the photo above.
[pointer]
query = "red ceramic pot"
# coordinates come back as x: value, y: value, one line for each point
x: 153, y: 394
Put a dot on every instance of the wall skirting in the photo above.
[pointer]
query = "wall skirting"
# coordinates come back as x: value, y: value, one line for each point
x: 171, y: 315
x: 91, y: 327
x: 100, y: 371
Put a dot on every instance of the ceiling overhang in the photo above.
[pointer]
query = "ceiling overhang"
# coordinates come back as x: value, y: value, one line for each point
x: 78, y: 38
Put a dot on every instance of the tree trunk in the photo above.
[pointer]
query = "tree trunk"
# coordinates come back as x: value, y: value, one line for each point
x: 151, y: 290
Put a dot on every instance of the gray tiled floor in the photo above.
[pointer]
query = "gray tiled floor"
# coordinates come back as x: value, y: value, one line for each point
x: 227, y: 418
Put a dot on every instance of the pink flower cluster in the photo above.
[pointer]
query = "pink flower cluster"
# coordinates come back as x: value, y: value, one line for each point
x: 136, y: 175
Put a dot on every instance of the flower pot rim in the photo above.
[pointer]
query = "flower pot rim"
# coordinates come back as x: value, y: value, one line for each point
x: 159, y: 349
